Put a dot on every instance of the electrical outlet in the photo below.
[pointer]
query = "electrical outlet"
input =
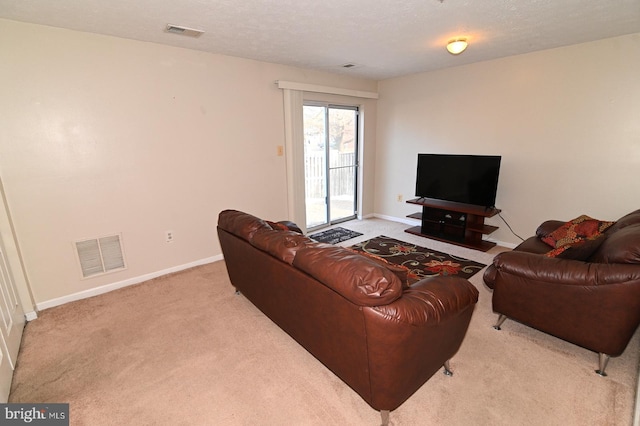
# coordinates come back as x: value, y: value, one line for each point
x: 169, y: 236
x: 399, y: 198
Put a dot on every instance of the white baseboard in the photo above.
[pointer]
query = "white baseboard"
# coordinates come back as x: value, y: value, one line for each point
x: 405, y: 220
x: 114, y: 286
x: 636, y: 417
x: 30, y: 316
x: 502, y: 243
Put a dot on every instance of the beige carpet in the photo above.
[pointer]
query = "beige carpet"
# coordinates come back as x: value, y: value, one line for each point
x: 184, y: 350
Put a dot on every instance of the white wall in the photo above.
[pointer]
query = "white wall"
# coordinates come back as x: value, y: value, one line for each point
x: 564, y: 120
x: 102, y: 135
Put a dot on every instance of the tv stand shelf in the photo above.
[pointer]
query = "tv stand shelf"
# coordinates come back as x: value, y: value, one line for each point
x: 455, y: 223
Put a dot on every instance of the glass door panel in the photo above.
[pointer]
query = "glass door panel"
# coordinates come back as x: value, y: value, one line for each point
x: 330, y: 155
x: 342, y: 163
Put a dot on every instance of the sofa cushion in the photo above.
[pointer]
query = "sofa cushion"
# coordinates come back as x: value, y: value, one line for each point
x: 281, y: 244
x: 533, y: 245
x: 357, y: 278
x: 573, y: 233
x: 240, y: 224
x: 622, y: 246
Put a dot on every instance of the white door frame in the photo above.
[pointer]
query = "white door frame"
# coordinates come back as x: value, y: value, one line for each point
x: 293, y: 94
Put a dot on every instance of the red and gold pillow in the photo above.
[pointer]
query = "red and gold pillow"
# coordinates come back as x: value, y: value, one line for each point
x: 579, y: 233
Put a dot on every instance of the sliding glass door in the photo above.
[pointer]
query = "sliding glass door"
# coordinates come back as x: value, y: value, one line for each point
x: 331, y: 163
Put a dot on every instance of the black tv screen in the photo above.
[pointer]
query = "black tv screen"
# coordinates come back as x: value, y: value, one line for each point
x: 469, y: 179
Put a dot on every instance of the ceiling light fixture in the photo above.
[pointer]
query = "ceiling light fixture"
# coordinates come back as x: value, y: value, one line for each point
x: 457, y: 45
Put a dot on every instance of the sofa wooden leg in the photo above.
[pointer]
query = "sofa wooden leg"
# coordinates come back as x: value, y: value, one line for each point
x: 447, y: 369
x: 384, y: 414
x: 603, y: 359
x: 501, y: 319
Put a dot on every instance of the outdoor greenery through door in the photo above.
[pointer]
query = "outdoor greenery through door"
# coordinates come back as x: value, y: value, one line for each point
x: 331, y: 163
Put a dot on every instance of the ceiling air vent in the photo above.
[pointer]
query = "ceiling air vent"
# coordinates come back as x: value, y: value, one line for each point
x: 176, y: 29
x: 100, y: 255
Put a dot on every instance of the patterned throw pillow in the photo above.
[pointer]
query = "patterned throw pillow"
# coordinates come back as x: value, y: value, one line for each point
x: 276, y: 226
x: 579, y: 234
x: 284, y: 225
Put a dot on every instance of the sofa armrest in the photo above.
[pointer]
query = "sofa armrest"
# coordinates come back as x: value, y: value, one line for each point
x: 533, y: 267
x: 548, y: 227
x: 431, y: 301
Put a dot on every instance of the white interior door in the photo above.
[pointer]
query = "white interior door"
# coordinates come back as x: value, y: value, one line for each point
x: 11, y: 325
x: 12, y: 317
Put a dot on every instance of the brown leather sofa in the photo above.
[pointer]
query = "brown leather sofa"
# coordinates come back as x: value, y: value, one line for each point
x: 383, y: 338
x: 591, y: 298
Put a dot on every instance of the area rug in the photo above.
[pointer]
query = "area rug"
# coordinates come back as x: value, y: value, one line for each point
x: 421, y: 262
x: 334, y: 236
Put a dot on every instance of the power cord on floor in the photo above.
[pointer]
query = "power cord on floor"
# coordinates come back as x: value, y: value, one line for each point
x: 509, y: 226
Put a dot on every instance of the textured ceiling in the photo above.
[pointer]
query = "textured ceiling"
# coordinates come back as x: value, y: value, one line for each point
x: 384, y: 38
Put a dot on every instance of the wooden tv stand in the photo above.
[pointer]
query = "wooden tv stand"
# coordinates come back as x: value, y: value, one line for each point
x: 455, y: 223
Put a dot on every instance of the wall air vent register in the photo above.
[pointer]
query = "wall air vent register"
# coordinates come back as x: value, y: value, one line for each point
x: 177, y: 29
x: 99, y: 256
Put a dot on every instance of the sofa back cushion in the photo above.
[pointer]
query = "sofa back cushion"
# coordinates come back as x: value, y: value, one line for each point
x: 357, y: 278
x: 281, y: 244
x: 241, y: 224
x: 400, y: 271
x: 626, y: 220
x: 621, y: 246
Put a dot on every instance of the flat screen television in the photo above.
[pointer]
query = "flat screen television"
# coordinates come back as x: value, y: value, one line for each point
x: 469, y: 179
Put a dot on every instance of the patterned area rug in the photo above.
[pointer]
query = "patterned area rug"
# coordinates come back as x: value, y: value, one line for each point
x: 421, y: 262
x: 334, y: 236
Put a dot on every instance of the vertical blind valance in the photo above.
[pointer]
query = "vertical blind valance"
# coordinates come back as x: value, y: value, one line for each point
x: 304, y: 87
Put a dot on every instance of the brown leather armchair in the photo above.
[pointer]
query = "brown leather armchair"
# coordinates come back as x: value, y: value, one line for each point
x: 591, y: 299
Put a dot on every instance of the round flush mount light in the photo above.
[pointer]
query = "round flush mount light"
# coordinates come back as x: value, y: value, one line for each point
x: 457, y: 45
